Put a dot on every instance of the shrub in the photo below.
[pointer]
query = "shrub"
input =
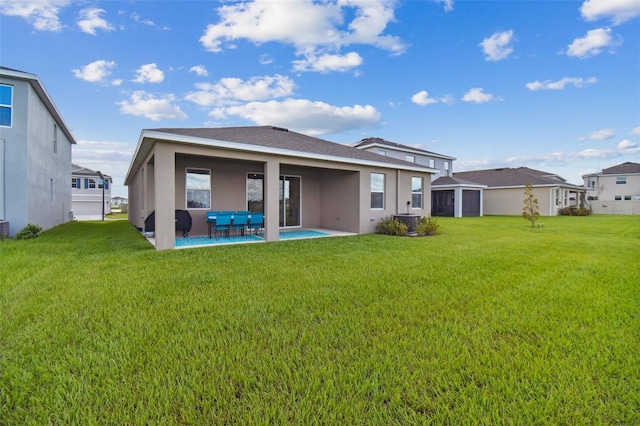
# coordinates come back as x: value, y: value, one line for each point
x: 391, y: 226
x: 570, y: 211
x: 427, y: 226
x: 28, y: 232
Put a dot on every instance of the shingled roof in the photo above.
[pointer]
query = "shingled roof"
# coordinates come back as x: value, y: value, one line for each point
x: 283, y: 139
x: 622, y: 169
x: 364, y: 143
x: 509, y: 177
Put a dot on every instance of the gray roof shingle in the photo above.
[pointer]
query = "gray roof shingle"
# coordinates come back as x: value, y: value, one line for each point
x: 280, y: 138
x: 519, y: 176
x: 379, y: 141
x: 621, y: 169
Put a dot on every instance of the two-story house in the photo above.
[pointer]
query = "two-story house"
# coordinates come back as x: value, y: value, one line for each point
x: 614, y: 190
x: 445, y: 189
x: 91, y: 192
x: 35, y: 155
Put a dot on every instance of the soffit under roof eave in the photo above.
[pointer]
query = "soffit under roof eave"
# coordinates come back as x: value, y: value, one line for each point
x: 149, y: 137
x: 542, y: 185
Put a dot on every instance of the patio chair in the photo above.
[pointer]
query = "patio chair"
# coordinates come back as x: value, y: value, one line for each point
x: 223, y: 223
x: 257, y: 222
x: 240, y: 222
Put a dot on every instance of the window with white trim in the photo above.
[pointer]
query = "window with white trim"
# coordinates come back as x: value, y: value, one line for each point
x: 432, y: 163
x: 621, y: 180
x: 381, y: 152
x: 377, y: 190
x: 75, y: 183
x: 6, y: 105
x: 416, y: 192
x: 198, y: 188
x: 446, y: 168
x: 410, y: 158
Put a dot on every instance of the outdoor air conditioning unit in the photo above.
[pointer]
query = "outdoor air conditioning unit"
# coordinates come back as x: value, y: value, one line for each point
x: 4, y: 228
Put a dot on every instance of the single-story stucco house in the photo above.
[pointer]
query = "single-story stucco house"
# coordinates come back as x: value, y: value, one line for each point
x: 503, y: 192
x: 298, y: 181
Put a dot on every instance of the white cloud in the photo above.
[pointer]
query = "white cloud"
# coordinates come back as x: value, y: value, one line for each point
x: 149, y: 73
x: 90, y: 21
x: 96, y: 71
x: 448, y: 4
x: 320, y: 35
x: 560, y: 84
x: 600, y: 135
x: 478, y: 96
x: 618, y: 11
x: 234, y: 89
x: 422, y: 98
x: 592, y: 43
x: 326, y: 63
x: 143, y: 104
x: 111, y: 157
x: 627, y: 145
x: 199, y: 70
x: 636, y: 131
x: 498, y: 46
x: 43, y: 15
x: 312, y: 118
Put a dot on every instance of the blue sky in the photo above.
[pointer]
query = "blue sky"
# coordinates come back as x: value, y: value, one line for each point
x: 551, y: 85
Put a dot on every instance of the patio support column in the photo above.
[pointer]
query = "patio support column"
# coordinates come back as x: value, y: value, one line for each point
x: 165, y: 197
x: 272, y: 200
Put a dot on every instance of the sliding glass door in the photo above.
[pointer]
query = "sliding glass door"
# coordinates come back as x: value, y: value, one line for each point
x: 290, y: 197
x: 290, y: 201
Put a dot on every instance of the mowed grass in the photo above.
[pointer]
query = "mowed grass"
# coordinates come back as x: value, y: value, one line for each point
x: 489, y: 322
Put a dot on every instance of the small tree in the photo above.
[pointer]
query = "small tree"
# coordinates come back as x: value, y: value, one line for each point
x: 530, y: 209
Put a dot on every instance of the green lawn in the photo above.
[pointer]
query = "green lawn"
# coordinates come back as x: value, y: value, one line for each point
x: 489, y: 322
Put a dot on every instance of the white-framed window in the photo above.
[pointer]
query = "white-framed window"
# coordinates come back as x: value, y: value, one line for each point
x: 6, y: 105
x: 198, y: 188
x: 410, y: 158
x: 92, y: 183
x: 75, y: 183
x: 627, y: 197
x: 381, y: 152
x: 591, y: 182
x: 446, y: 168
x: 618, y: 197
x: 432, y: 163
x: 621, y: 180
x: 416, y: 192
x: 377, y: 190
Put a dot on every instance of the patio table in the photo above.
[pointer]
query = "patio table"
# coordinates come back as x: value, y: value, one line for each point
x: 211, y: 221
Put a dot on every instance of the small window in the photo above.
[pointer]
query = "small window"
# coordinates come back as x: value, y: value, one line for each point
x: 627, y: 197
x: 410, y: 158
x: 636, y: 197
x: 75, y: 183
x: 618, y: 198
x: 592, y: 198
x: 416, y: 192
x: 55, y: 139
x: 198, y: 189
x: 446, y: 168
x: 432, y: 163
x: 6, y: 105
x: 377, y: 191
x: 621, y: 180
x: 381, y: 152
x: 92, y: 183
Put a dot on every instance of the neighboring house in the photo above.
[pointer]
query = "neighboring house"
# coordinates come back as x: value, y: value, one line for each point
x: 442, y: 163
x: 298, y: 181
x: 504, y: 190
x: 615, y: 190
x: 35, y: 155
x: 118, y: 201
x: 444, y: 188
x: 88, y: 192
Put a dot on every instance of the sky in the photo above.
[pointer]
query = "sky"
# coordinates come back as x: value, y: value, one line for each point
x: 550, y: 85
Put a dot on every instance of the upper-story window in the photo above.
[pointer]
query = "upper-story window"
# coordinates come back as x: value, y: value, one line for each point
x: 6, y: 105
x: 75, y: 183
x: 621, y: 180
x: 410, y: 158
x: 447, y: 172
x: 381, y: 152
x: 55, y: 138
x: 591, y: 182
x: 432, y: 163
